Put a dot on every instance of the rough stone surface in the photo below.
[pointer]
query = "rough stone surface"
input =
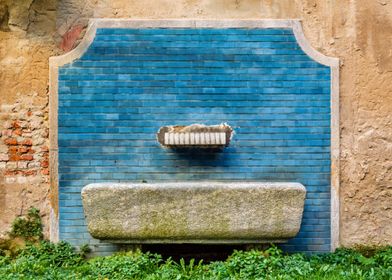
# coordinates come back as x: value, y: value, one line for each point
x: 194, y: 211
x: 358, y: 32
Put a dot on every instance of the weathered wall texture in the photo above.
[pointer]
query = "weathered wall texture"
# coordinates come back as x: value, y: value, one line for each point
x: 359, y: 32
x: 26, y: 32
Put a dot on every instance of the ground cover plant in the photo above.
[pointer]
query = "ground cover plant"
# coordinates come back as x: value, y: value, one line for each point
x: 46, y: 260
x: 25, y: 255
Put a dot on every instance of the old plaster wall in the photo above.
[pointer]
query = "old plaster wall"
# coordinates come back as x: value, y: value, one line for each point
x: 359, y: 32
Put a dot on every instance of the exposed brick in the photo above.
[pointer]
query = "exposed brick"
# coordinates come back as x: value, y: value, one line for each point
x: 27, y: 142
x: 13, y: 149
x: 11, y: 141
x: 14, y: 157
x: 17, y: 132
x: 22, y: 150
x: 44, y: 163
x: 4, y: 157
x: 29, y: 172
x: 27, y: 157
x: 15, y: 124
x: 7, y: 132
x: 34, y: 164
x: 45, y: 171
x: 19, y: 162
x: 10, y: 172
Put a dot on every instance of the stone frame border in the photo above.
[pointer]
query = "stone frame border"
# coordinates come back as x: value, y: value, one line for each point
x: 294, y: 24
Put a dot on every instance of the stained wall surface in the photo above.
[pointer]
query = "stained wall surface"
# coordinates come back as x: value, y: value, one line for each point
x: 359, y: 32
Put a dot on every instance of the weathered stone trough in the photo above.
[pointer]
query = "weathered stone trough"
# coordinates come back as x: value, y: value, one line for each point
x: 194, y: 212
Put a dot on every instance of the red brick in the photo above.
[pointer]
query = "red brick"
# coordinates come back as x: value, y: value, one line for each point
x: 17, y: 132
x: 29, y: 172
x: 44, y: 163
x: 27, y: 142
x: 45, y: 171
x: 15, y: 124
x: 23, y: 150
x: 10, y: 172
x: 13, y: 149
x: 30, y: 151
x: 11, y: 141
x: 27, y: 157
x: 29, y: 113
x: 14, y: 157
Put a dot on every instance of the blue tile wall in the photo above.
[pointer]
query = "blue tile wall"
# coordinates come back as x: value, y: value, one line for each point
x: 131, y: 82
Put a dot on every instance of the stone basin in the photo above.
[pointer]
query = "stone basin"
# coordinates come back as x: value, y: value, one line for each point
x: 194, y: 212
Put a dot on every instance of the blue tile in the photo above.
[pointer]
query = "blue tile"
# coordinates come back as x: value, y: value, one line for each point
x: 130, y: 82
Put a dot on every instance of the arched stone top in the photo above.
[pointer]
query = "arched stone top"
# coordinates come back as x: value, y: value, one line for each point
x: 294, y: 24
